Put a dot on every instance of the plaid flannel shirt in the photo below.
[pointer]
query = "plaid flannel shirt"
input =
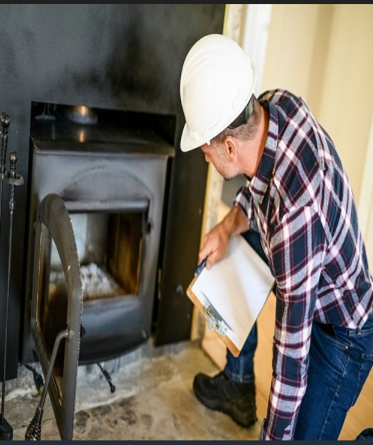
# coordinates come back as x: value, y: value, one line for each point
x: 301, y: 202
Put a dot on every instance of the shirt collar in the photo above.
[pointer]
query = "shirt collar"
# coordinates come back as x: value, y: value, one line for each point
x: 260, y: 182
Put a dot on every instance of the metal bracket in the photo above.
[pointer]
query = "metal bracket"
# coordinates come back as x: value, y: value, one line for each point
x: 214, y: 320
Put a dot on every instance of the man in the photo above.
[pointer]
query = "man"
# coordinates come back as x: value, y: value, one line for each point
x: 299, y: 205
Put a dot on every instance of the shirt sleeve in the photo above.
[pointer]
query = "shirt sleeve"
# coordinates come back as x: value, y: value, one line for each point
x: 244, y: 200
x: 297, y: 250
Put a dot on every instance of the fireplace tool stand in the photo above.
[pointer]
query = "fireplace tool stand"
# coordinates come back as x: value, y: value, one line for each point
x: 4, y: 126
x: 6, y: 431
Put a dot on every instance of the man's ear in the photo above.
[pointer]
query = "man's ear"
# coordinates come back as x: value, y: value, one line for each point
x: 230, y: 147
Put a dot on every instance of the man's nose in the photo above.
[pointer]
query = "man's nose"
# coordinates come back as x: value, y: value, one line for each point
x: 207, y: 157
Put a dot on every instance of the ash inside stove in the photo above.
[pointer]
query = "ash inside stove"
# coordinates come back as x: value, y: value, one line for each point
x: 96, y: 282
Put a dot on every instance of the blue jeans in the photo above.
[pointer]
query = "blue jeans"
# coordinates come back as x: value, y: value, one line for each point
x: 340, y: 361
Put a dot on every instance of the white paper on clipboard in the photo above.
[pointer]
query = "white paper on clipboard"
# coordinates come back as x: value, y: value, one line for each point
x: 236, y: 288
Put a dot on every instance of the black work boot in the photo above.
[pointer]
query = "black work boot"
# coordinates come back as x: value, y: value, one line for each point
x: 221, y: 394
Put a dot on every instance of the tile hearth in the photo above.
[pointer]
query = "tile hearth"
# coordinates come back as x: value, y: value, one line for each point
x: 153, y: 399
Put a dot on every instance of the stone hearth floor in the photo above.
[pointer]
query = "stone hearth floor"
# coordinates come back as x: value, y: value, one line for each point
x: 153, y: 400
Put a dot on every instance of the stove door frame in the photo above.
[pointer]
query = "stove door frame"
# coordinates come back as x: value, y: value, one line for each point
x: 53, y: 216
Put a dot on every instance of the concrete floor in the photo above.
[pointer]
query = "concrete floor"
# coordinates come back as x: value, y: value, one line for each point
x: 153, y: 399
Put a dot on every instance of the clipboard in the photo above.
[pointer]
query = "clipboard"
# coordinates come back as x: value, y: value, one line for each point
x: 231, y: 294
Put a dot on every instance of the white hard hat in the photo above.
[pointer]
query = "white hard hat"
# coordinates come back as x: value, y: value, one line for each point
x: 217, y: 81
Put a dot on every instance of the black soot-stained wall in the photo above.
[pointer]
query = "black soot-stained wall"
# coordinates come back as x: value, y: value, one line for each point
x: 126, y: 57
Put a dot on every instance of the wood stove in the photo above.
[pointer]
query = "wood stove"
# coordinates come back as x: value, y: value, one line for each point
x: 111, y: 173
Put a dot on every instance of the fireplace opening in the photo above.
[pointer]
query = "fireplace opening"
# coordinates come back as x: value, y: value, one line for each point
x: 109, y: 247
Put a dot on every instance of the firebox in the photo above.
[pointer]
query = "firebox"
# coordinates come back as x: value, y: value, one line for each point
x: 111, y: 169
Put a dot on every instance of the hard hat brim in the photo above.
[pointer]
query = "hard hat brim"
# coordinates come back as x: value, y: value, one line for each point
x: 187, y: 143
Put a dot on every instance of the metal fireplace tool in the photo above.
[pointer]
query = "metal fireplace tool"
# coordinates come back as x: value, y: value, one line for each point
x: 14, y: 179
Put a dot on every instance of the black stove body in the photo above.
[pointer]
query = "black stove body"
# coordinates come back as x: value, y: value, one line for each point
x: 112, y: 175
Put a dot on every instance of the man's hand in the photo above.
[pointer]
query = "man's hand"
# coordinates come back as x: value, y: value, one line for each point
x: 216, y: 241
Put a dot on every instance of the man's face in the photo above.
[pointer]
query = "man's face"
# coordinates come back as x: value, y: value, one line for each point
x: 220, y: 160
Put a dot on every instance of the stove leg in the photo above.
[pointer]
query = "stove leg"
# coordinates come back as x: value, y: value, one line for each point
x: 107, y: 377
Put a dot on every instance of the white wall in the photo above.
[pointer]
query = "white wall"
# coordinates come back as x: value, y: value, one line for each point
x: 290, y: 48
x: 325, y: 54
x: 347, y: 101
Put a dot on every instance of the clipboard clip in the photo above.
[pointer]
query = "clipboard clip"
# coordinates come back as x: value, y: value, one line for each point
x: 214, y: 319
